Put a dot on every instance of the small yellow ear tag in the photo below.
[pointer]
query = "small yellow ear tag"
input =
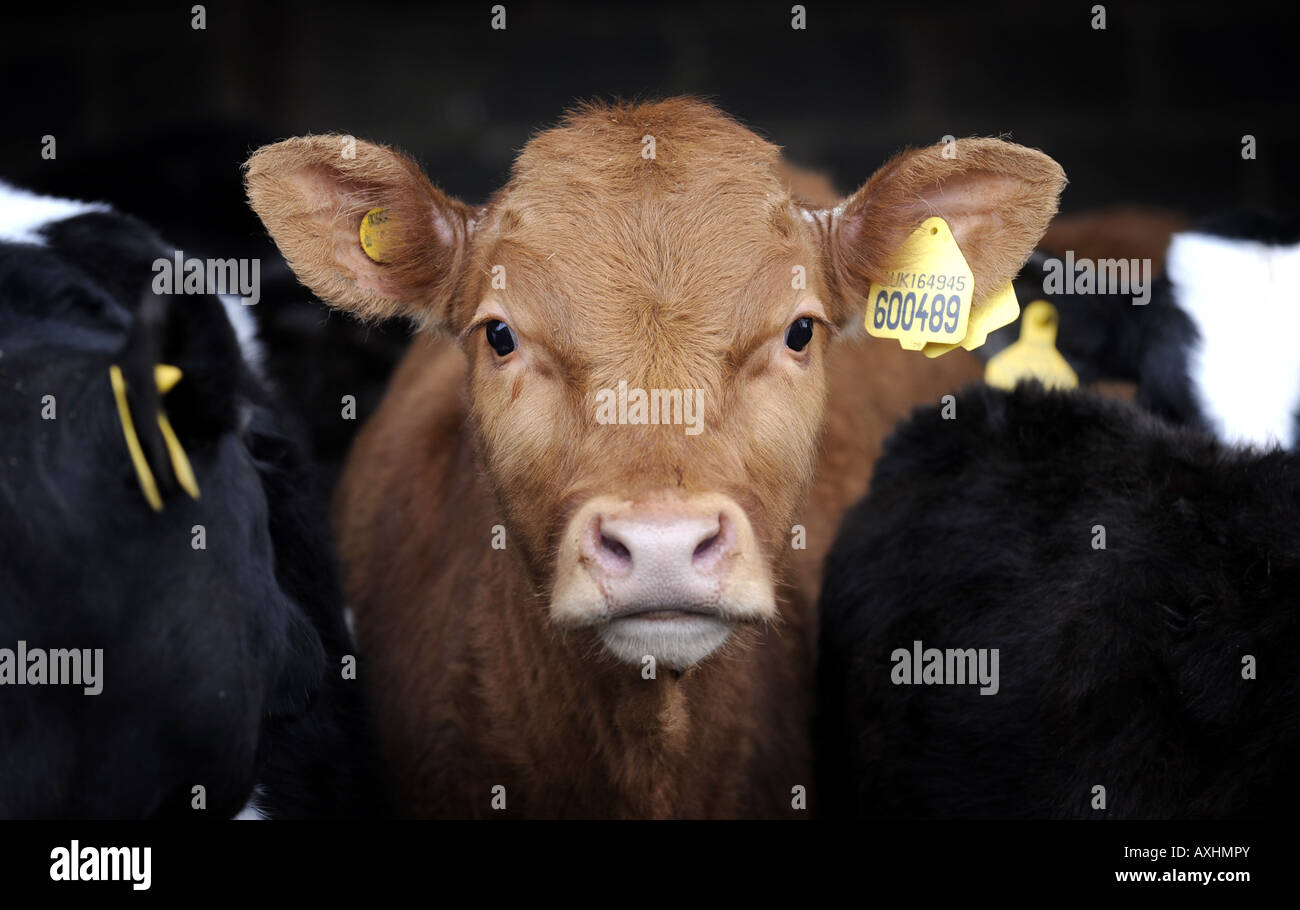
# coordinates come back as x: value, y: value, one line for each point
x: 1034, y: 356
x: 165, y: 377
x: 992, y: 314
x: 373, y: 227
x: 927, y: 294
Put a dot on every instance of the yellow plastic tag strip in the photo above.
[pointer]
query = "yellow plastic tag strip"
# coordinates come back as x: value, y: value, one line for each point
x: 165, y: 377
x: 147, y: 484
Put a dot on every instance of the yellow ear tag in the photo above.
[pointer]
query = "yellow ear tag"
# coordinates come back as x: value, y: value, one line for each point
x: 145, y: 476
x: 1034, y: 356
x: 987, y: 316
x: 926, y: 297
x: 165, y: 378
x: 373, y: 227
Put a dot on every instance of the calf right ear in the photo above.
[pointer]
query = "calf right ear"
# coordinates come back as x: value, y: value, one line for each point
x: 312, y: 193
x: 997, y: 197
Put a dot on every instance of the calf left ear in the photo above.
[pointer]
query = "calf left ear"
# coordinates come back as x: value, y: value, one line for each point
x: 996, y: 196
x: 313, y: 193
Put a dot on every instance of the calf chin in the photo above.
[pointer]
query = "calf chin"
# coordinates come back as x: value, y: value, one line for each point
x: 674, y: 643
x: 669, y: 578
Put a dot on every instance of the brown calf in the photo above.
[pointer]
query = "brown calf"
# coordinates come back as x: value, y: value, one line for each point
x: 643, y: 645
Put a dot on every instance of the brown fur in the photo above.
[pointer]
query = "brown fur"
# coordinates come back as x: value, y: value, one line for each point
x: 673, y: 272
x: 1119, y: 232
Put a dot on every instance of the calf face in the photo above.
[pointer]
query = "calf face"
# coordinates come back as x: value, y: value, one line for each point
x: 645, y: 309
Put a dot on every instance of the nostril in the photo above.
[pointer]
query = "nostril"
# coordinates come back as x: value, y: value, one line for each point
x: 658, y: 544
x: 614, y: 547
x: 607, y: 550
x: 709, y: 551
x: 705, y: 545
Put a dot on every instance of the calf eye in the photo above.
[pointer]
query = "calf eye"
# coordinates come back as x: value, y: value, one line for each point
x: 500, y: 337
x: 799, y: 334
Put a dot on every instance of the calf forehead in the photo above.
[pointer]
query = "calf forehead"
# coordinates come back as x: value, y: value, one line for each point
x: 656, y: 247
x: 649, y: 301
x: 691, y: 246
x: 673, y: 147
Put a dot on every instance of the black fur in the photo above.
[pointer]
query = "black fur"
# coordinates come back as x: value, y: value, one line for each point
x: 222, y: 665
x: 1105, y: 337
x: 1260, y: 227
x: 1119, y: 667
x: 1094, y: 332
x: 314, y: 355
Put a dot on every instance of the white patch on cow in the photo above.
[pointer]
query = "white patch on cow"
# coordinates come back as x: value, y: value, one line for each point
x: 23, y: 214
x: 674, y: 643
x: 1242, y: 295
x: 350, y: 620
x: 245, y: 327
x: 251, y: 811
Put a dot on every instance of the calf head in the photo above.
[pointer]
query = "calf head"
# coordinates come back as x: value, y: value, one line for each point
x: 646, y: 309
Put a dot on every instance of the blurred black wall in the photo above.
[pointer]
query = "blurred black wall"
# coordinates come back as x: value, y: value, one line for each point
x: 156, y: 116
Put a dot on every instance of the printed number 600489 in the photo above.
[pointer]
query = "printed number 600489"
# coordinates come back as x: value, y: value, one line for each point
x: 895, y: 310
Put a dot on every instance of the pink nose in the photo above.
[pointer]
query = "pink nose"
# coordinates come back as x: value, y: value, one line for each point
x: 668, y: 576
x: 649, y: 559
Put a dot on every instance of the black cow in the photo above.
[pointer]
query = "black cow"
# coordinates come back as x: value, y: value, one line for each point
x: 1210, y: 348
x: 1138, y: 581
x: 220, y: 619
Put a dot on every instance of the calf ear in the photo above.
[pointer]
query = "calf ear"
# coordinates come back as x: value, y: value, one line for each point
x: 312, y: 194
x: 996, y: 196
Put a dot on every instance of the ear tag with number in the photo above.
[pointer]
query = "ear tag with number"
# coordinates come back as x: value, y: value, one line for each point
x: 1034, y: 356
x: 927, y: 291
x: 372, y: 234
x: 985, y: 317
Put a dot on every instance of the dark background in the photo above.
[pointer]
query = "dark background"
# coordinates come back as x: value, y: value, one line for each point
x: 156, y: 117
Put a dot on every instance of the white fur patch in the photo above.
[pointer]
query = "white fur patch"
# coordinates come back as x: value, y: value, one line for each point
x: 251, y: 812
x: 350, y: 620
x: 23, y: 214
x: 1243, y: 297
x: 245, y: 330
x: 673, y: 643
